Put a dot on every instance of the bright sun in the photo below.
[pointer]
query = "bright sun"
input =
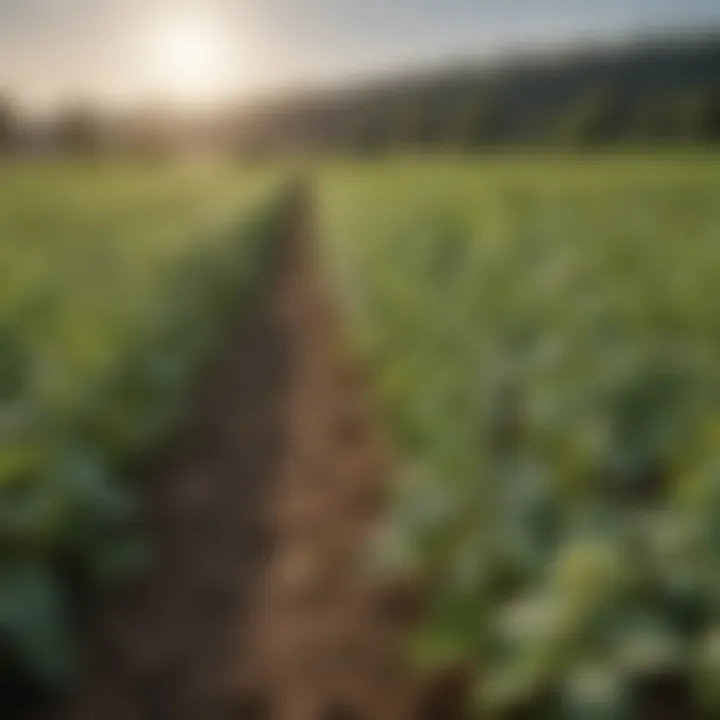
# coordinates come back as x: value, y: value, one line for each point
x: 191, y: 59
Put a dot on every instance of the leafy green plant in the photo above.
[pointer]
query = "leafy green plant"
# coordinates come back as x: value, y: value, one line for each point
x: 544, y: 344
x: 116, y: 286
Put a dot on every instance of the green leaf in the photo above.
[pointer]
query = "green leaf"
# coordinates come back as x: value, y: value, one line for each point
x: 34, y: 622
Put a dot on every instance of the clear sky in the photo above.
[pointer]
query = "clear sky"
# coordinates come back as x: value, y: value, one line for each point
x: 129, y: 49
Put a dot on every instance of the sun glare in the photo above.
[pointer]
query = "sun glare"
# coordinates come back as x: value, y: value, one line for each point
x: 191, y: 59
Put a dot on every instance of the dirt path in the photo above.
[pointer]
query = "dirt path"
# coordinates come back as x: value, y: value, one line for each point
x: 256, y: 604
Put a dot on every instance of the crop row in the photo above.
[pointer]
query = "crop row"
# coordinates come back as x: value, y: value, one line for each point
x: 544, y: 340
x: 115, y: 286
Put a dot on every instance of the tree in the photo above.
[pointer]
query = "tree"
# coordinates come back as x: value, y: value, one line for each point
x: 7, y: 124
x: 78, y: 130
x: 698, y: 116
x: 482, y: 121
x: 589, y: 121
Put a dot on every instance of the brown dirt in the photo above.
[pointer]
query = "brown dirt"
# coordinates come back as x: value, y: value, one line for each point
x: 257, y: 604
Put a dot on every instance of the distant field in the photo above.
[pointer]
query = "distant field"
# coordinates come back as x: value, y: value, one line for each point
x: 544, y: 335
x: 115, y: 285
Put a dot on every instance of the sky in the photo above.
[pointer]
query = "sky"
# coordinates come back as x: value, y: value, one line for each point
x: 125, y: 50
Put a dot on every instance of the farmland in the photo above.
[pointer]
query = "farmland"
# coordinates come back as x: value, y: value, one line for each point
x: 543, y: 340
x: 539, y: 339
x: 115, y: 286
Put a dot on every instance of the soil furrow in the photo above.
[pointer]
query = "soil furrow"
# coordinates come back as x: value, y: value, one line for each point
x: 256, y: 603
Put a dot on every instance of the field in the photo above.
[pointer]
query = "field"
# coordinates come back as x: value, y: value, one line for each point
x: 537, y: 339
x: 544, y: 344
x: 115, y: 286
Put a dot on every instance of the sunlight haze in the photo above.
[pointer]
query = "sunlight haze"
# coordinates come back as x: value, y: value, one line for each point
x: 198, y: 51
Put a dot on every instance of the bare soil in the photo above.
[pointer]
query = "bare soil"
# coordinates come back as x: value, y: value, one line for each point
x: 257, y: 603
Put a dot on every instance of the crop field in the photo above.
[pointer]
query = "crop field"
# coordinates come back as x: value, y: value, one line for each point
x: 543, y: 337
x: 115, y: 286
x: 539, y: 341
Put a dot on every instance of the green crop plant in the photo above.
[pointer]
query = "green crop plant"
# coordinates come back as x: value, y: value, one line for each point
x: 544, y: 338
x: 116, y: 285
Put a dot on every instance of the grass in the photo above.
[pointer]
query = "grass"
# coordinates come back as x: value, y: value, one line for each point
x: 544, y: 340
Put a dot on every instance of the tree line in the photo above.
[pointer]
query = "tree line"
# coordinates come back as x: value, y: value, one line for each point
x: 641, y: 93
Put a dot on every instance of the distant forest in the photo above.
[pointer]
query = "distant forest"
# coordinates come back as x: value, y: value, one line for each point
x: 642, y: 93
x: 648, y: 92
